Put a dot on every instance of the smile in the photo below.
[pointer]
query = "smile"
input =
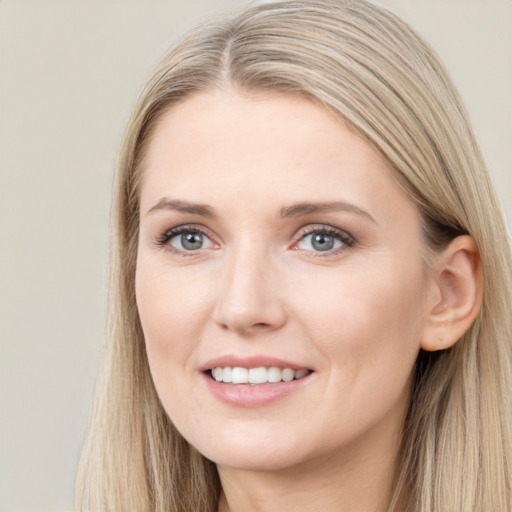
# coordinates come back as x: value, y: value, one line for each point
x: 260, y: 375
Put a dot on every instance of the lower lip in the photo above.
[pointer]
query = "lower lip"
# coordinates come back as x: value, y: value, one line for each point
x: 252, y: 395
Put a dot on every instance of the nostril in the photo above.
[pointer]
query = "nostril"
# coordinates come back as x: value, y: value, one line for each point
x: 260, y: 325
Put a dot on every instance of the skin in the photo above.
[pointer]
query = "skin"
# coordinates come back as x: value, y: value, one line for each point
x: 355, y: 315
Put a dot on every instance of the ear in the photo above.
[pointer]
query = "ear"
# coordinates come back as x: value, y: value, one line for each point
x: 456, y: 294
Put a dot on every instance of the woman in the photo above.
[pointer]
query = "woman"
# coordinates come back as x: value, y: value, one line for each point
x: 310, y: 280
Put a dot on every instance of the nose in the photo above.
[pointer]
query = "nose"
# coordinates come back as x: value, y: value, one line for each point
x: 250, y: 295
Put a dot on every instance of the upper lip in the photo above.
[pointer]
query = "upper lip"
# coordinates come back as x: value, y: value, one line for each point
x: 254, y: 361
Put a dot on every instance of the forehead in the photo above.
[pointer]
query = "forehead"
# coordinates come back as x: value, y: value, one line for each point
x: 276, y: 147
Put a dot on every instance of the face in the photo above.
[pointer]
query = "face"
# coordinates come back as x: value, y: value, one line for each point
x: 275, y: 245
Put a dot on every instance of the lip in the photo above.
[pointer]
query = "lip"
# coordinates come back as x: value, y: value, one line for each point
x: 255, y: 361
x: 251, y: 395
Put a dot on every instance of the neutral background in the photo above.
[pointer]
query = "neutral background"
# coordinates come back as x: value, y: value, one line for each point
x: 69, y: 73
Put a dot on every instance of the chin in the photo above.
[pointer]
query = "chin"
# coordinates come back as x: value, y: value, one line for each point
x: 255, y: 460
x: 251, y: 453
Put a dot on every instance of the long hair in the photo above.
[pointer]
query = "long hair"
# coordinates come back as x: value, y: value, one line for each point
x: 371, y: 69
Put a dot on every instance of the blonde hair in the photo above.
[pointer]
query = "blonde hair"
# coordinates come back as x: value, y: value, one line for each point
x: 374, y: 71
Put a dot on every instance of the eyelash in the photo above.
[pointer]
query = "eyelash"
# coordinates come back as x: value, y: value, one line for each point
x: 345, y: 238
x: 164, y: 239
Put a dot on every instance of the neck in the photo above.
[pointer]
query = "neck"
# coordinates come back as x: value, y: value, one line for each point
x: 360, y: 480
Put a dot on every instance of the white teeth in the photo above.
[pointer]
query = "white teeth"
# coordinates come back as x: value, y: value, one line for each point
x: 257, y: 375
x: 260, y: 375
x: 227, y: 375
x: 239, y: 375
x: 300, y: 373
x: 274, y: 374
x: 217, y: 374
x: 288, y: 374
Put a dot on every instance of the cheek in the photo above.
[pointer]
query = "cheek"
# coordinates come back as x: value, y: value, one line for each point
x: 367, y: 328
x: 171, y: 308
x: 371, y: 319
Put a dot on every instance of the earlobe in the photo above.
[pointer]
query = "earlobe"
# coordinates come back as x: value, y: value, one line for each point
x: 457, y: 293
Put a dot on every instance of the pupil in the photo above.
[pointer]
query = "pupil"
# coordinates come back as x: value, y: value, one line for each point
x: 192, y: 241
x: 322, y: 242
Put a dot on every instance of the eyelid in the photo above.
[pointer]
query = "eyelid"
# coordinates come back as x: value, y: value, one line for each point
x: 344, y: 236
x: 162, y: 240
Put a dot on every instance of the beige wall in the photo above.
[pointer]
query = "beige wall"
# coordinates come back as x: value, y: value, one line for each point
x: 69, y: 71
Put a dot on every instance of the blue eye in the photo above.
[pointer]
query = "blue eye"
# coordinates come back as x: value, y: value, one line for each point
x: 185, y: 239
x: 324, y: 240
x: 190, y: 241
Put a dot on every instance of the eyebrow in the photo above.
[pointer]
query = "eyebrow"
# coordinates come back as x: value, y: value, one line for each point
x: 301, y: 209
x: 295, y: 210
x: 183, y: 206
